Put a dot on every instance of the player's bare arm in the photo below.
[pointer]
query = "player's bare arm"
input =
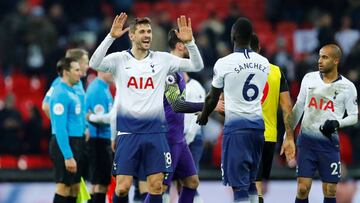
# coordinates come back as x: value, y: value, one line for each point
x: 117, y: 28
x: 288, y: 146
x: 185, y: 33
x: 210, y: 103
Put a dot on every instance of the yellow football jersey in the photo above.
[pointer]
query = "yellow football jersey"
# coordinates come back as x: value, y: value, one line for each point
x: 270, y: 102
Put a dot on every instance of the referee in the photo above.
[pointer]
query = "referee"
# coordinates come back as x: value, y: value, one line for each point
x: 67, y: 143
x: 99, y: 101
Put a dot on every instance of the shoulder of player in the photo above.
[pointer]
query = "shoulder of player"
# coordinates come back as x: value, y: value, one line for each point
x: 194, y: 83
x: 56, y: 81
x: 92, y: 87
x: 161, y: 54
x: 346, y: 81
x: 273, y: 66
x: 311, y: 75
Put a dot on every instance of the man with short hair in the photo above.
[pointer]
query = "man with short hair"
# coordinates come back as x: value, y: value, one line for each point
x: 324, y: 97
x: 99, y: 101
x: 140, y: 76
x: 242, y: 76
x: 67, y: 143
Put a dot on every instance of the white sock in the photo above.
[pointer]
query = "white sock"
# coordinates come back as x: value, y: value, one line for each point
x: 254, y: 198
x: 197, y: 199
x: 166, y: 197
x: 244, y: 201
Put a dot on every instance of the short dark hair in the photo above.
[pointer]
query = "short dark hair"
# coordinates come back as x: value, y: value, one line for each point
x: 173, y: 39
x: 64, y: 64
x: 76, y: 53
x: 241, y: 31
x: 138, y: 21
x: 254, y: 43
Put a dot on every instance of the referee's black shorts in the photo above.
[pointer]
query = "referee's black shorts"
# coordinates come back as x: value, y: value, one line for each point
x: 266, y: 161
x: 100, y: 161
x: 77, y: 145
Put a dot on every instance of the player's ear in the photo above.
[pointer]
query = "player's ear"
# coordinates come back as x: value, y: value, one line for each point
x: 180, y: 46
x: 131, y: 35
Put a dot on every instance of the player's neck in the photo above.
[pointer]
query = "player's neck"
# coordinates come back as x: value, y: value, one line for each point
x: 241, y: 46
x: 139, y: 54
x: 330, y: 77
x: 67, y: 81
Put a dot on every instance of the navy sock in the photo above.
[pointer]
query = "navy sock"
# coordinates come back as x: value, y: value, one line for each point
x: 99, y: 198
x: 71, y: 199
x: 252, y: 189
x: 153, y: 198
x: 91, y: 198
x: 59, y: 199
x: 329, y: 200
x: 240, y: 195
x: 143, y: 196
x: 187, y: 195
x: 121, y: 199
x: 302, y: 200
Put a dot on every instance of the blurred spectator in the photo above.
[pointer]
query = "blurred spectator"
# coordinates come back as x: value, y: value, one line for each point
x: 33, y: 131
x: 41, y: 39
x: 207, y: 51
x: 158, y: 35
x: 60, y: 22
x: 346, y: 188
x: 12, y: 38
x: 347, y: 37
x: 326, y: 34
x: 352, y: 64
x: 283, y: 59
x: 11, y: 124
x: 165, y: 21
x: 122, y: 6
x: 234, y: 14
x: 213, y: 27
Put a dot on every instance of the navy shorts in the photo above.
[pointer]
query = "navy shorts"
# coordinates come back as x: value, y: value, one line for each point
x: 147, y: 151
x: 327, y: 163
x: 241, y: 154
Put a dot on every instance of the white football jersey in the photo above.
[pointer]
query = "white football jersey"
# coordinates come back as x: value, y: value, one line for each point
x: 140, y: 84
x: 194, y: 93
x: 242, y: 75
x: 320, y: 102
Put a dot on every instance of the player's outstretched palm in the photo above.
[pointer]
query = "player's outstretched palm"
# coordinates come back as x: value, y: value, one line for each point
x: 118, y: 25
x: 185, y: 32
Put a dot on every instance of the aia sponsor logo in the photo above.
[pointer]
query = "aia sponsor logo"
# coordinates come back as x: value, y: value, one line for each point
x: 140, y: 83
x: 321, y: 104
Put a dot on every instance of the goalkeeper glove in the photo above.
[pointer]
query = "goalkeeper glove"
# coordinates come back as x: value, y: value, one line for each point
x: 329, y: 127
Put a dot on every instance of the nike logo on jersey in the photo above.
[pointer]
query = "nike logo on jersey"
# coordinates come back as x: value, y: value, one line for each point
x: 320, y: 104
x: 140, y: 83
x: 127, y: 67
